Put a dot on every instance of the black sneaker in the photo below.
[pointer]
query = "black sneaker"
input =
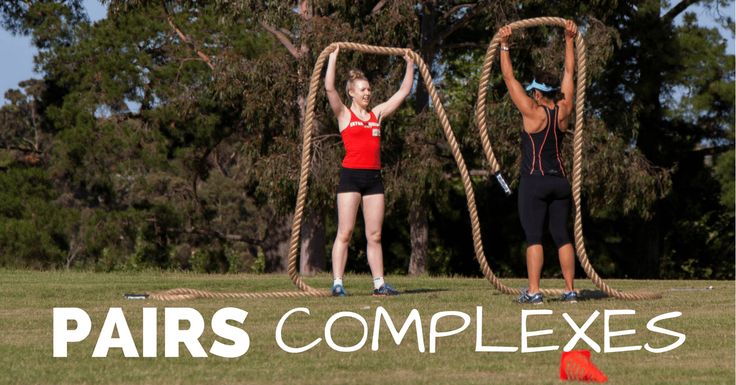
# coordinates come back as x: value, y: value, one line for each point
x: 338, y: 291
x: 525, y: 297
x: 569, y: 297
x: 385, y: 290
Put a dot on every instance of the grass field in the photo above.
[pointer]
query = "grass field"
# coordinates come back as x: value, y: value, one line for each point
x: 28, y: 299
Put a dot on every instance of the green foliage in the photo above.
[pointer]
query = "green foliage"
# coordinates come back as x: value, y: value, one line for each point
x: 33, y: 227
x: 724, y: 173
x: 168, y: 135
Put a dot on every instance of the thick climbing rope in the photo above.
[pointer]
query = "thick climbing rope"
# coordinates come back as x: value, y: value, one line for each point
x: 306, y: 290
x: 480, y: 119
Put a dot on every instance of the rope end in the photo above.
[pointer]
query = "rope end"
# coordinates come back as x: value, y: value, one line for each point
x: 135, y: 296
x: 502, y: 182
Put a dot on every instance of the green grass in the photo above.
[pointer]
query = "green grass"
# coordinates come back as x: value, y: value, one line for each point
x: 706, y: 357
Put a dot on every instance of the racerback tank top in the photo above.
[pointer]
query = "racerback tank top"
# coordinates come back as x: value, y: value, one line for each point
x: 540, y: 152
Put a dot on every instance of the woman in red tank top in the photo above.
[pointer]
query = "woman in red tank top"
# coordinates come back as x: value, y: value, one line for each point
x: 360, y: 174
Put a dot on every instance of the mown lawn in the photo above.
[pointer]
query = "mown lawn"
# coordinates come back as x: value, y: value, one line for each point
x: 28, y: 300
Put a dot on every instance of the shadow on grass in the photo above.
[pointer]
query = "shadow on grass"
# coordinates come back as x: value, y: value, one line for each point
x: 583, y: 295
x: 587, y: 295
x: 422, y: 291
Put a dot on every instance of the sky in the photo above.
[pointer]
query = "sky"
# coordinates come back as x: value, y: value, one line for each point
x: 17, y: 63
x: 18, y: 52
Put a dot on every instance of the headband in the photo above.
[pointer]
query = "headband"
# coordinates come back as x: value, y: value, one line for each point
x: 540, y: 86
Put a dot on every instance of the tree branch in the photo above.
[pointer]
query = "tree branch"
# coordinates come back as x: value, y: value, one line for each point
x: 305, y: 10
x: 378, y: 7
x: 457, y: 8
x: 457, y: 25
x: 287, y: 33
x: 677, y: 9
x: 186, y: 40
x: 24, y: 150
x: 281, y: 37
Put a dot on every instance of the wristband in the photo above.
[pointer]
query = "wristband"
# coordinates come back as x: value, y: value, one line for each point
x: 504, y: 48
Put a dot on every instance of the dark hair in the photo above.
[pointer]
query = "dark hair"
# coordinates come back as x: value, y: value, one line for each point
x: 551, y: 80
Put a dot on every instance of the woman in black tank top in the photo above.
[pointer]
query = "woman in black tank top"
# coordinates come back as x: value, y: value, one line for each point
x: 544, y: 192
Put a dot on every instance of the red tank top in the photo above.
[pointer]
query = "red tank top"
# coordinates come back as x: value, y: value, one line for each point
x: 362, y: 140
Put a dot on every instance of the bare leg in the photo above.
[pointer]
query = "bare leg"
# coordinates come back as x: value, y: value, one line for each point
x: 347, y: 209
x: 373, y: 209
x: 567, y: 264
x: 534, y: 263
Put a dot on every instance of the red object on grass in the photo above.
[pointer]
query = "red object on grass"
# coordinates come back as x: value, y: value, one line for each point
x: 575, y: 365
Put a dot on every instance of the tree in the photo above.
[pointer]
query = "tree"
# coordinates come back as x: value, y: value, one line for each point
x: 24, y: 137
x: 168, y: 135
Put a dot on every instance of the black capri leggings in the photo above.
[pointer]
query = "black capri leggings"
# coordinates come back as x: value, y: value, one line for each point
x: 544, y: 199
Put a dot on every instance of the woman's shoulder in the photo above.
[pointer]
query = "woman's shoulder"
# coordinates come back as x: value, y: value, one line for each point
x: 376, y: 112
x: 563, y: 105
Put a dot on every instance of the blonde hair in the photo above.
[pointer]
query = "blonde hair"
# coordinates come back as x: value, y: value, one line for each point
x: 353, y: 75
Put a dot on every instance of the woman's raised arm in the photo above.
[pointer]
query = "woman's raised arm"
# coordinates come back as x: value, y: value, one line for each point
x: 332, y: 95
x: 524, y: 103
x: 388, y: 107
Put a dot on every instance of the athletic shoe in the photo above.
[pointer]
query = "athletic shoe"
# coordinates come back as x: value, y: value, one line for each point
x: 338, y: 291
x: 385, y: 290
x: 525, y: 297
x: 569, y: 297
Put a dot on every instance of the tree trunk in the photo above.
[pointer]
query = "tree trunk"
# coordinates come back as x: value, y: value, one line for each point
x: 418, y: 222
x: 652, y: 139
x: 428, y: 25
x: 276, y: 244
x: 419, y: 234
x: 312, y: 253
x: 650, y: 241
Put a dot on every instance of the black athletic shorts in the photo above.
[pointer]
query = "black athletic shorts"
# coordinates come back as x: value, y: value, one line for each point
x: 365, y: 182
